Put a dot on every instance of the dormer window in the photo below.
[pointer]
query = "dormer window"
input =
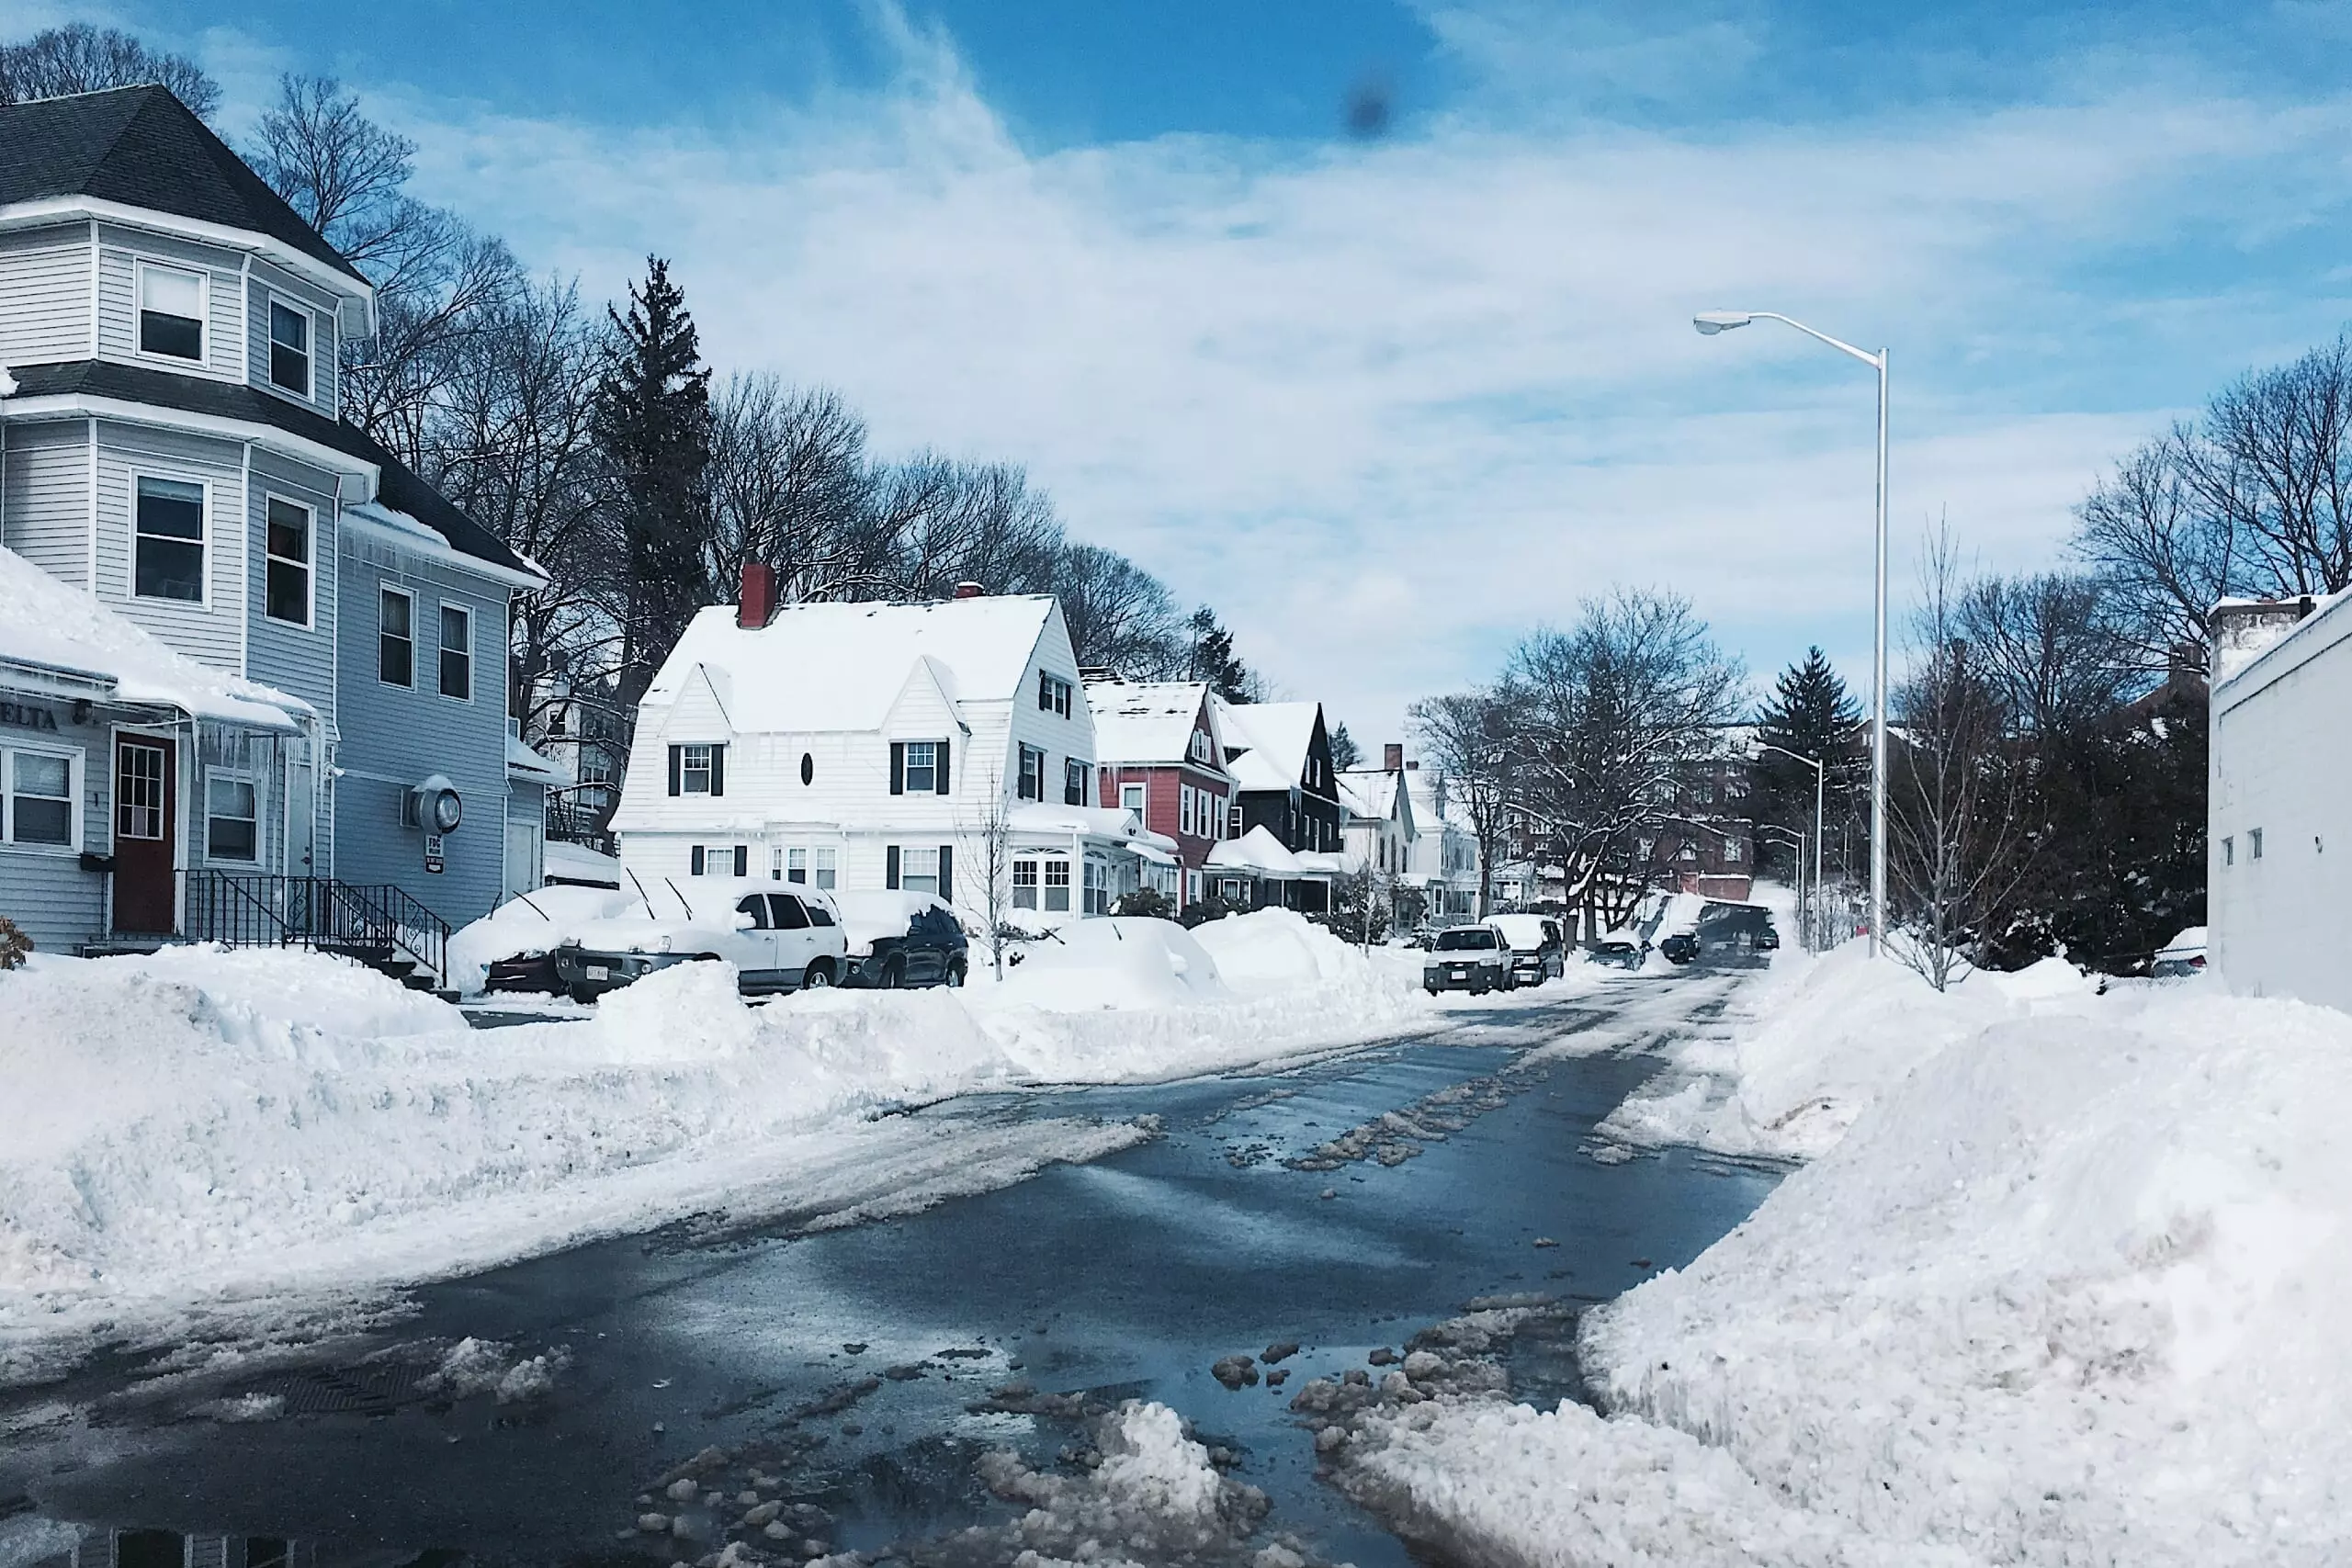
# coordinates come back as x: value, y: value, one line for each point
x: 289, y: 348
x: 171, y: 313
x: 1201, y: 746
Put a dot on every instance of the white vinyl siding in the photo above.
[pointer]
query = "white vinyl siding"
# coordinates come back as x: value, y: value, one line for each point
x: 213, y: 630
x: 45, y: 295
x: 46, y: 470
x: 120, y: 254
x: 41, y: 797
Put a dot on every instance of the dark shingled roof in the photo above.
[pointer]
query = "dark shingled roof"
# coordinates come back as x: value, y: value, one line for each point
x: 142, y: 147
x: 401, y: 489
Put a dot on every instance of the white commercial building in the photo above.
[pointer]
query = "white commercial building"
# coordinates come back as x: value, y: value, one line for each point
x: 2278, y: 836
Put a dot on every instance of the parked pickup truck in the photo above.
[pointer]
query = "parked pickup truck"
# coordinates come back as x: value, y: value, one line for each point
x: 777, y: 941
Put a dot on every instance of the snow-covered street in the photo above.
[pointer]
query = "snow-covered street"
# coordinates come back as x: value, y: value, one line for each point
x: 1338, y: 1201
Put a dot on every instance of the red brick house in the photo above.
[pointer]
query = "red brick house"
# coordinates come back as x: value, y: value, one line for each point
x: 1158, y: 754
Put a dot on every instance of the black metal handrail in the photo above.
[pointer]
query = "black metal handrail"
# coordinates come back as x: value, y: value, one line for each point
x: 258, y: 909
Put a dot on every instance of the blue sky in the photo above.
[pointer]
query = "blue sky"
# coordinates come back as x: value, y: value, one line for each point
x: 1388, y: 403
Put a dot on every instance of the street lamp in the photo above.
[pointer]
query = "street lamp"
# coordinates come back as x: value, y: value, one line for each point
x: 1820, y: 786
x: 1798, y: 839
x: 1710, y: 323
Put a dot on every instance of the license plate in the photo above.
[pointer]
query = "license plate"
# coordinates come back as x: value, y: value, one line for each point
x: 1460, y: 972
x: 600, y: 972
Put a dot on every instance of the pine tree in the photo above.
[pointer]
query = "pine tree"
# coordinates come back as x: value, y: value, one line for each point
x: 1345, y: 754
x: 1213, y: 659
x: 653, y: 424
x: 1812, y: 715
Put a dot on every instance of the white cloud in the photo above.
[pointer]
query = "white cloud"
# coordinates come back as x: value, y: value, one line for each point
x: 1385, y: 406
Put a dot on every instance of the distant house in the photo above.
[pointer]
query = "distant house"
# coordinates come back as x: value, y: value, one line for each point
x: 1279, y: 757
x: 2279, y: 825
x: 1706, y: 843
x: 171, y: 450
x: 882, y: 746
x: 1156, y: 745
x: 1442, y: 858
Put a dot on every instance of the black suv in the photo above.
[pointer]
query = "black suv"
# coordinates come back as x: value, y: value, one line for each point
x: 926, y: 947
x: 1680, y: 948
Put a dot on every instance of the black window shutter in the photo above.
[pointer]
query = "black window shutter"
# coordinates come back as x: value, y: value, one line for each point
x: 897, y: 784
x: 675, y: 752
x: 743, y: 858
x: 718, y: 770
x: 890, y: 862
x: 940, y: 775
x: 693, y: 856
x: 946, y: 873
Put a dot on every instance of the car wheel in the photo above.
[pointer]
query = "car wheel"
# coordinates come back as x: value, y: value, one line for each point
x: 955, y: 970
x: 816, y: 976
x: 582, y: 994
x: 894, y: 974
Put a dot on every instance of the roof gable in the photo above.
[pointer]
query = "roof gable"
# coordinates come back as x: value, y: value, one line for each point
x: 142, y: 147
x: 1277, y: 740
x: 1146, y: 723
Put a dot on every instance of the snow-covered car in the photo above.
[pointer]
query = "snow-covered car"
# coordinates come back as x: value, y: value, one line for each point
x: 1621, y: 951
x: 902, y: 939
x: 2181, y: 958
x: 777, y: 941
x: 1538, y: 949
x: 1468, y: 958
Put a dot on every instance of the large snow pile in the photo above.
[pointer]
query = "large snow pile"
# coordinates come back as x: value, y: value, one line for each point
x: 530, y: 924
x: 206, y: 1128
x: 1270, y: 948
x: 2066, y: 1292
x: 1126, y: 962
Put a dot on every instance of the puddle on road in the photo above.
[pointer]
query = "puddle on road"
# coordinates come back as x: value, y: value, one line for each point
x: 849, y: 1380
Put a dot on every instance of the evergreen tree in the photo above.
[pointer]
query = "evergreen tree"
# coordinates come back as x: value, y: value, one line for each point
x: 1811, y: 713
x: 1345, y: 754
x: 653, y: 424
x: 1213, y: 659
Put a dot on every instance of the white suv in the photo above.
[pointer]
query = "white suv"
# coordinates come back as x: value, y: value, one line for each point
x: 778, y: 940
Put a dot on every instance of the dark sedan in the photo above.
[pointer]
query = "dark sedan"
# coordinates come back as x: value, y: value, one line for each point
x: 897, y: 940
x: 1620, y: 952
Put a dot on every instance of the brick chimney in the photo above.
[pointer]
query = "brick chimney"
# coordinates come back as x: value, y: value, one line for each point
x: 968, y: 591
x: 757, y: 606
x: 1392, y: 756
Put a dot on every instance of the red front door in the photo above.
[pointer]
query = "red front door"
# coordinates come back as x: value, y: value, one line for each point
x: 144, y: 809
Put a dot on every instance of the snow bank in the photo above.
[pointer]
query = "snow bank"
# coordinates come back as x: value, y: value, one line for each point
x: 1270, y: 948
x: 1126, y: 962
x: 208, y: 1130
x: 531, y: 924
x: 2067, y: 1292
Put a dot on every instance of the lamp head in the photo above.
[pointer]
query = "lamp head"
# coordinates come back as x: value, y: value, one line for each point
x: 1710, y: 322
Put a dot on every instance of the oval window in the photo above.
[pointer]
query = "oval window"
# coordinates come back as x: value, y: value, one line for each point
x: 807, y: 768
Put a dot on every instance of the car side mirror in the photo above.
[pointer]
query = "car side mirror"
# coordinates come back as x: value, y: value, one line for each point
x: 743, y: 921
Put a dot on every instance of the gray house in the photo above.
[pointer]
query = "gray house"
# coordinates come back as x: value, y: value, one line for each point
x: 171, y: 450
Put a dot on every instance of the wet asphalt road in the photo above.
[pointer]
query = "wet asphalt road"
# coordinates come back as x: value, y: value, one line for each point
x: 1126, y: 1277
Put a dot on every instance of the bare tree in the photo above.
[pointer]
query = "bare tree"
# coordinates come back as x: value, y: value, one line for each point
x: 1952, y: 828
x: 1120, y: 615
x: 789, y: 487
x: 79, y: 58
x: 2046, y: 645
x: 2165, y: 561
x: 1605, y: 717
x: 988, y: 841
x: 1467, y: 736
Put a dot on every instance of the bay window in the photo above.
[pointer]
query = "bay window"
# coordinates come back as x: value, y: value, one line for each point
x: 171, y: 311
x: 289, y: 348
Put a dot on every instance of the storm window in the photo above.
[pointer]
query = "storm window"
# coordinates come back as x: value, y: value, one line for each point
x: 171, y: 313
x: 168, y: 525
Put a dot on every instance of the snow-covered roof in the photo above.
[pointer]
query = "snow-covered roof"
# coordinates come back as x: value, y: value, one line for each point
x: 1092, y: 821
x: 58, y: 628
x: 532, y: 767
x: 1256, y: 851
x: 1144, y: 721
x: 819, y: 668
x: 1277, y: 736
x: 1369, y: 792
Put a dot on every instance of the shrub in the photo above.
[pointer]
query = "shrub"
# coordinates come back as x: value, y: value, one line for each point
x: 1146, y: 902
x: 14, y: 944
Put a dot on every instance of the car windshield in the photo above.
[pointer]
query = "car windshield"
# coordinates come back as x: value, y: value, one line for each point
x: 1464, y: 940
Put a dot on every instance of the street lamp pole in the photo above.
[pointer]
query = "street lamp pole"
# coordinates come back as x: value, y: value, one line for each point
x: 1803, y: 904
x: 1708, y: 323
x: 1820, y: 787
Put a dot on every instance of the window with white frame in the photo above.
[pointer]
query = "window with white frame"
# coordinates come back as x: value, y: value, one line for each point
x: 922, y: 767
x: 795, y: 866
x: 823, y: 867
x: 38, y: 802
x: 457, y: 652
x: 1184, y: 807
x: 696, y: 765
x: 718, y: 860
x: 919, y: 868
x: 286, y: 591
x: 1199, y: 749
x: 167, y: 542
x: 232, y: 816
x: 1032, y: 784
x: 1025, y: 883
x: 396, y: 638
x: 1057, y: 870
x: 1098, y: 887
x: 172, y: 308
x: 1053, y: 693
x: 290, y: 347
x: 1131, y: 796
x: 1073, y: 781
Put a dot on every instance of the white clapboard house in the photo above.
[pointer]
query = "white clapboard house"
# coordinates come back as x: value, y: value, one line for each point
x: 882, y: 746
